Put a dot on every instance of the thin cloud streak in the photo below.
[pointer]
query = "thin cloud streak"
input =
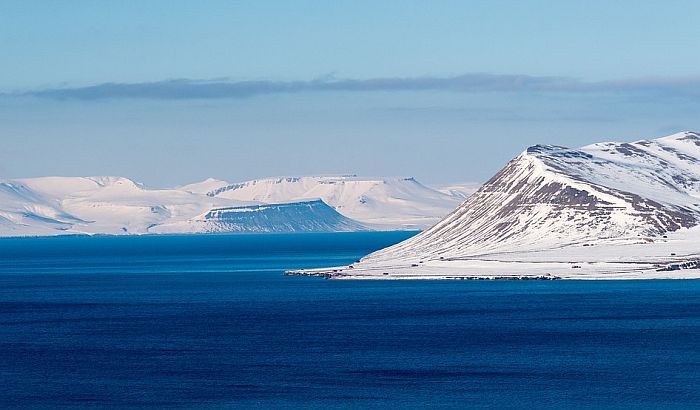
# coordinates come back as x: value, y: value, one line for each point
x: 186, y: 89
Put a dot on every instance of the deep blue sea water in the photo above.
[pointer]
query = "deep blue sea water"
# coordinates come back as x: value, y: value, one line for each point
x: 211, y: 322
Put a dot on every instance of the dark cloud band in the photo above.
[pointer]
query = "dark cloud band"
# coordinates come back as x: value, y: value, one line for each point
x: 183, y: 89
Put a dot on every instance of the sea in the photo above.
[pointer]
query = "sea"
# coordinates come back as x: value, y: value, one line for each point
x: 210, y: 322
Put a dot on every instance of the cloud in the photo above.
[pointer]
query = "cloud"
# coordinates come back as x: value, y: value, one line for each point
x: 184, y: 89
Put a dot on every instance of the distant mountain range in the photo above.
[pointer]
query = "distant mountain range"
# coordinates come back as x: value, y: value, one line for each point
x: 116, y: 205
x: 604, y: 211
x: 398, y: 203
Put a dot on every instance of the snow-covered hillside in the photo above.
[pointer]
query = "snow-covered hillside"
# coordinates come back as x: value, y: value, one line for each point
x: 204, y: 187
x: 601, y: 211
x: 382, y: 203
x: 26, y: 212
x: 116, y: 205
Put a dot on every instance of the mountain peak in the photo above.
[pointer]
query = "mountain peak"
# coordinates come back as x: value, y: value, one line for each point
x: 544, y: 148
x: 680, y: 135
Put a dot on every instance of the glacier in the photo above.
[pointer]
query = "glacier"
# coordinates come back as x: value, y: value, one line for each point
x: 605, y: 211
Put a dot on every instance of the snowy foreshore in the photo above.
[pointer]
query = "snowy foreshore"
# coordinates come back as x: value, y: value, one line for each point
x: 675, y: 257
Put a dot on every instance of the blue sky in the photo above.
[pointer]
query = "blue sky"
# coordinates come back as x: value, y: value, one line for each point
x: 170, y: 92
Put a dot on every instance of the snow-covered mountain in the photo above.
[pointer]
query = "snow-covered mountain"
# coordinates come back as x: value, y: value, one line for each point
x: 26, y: 212
x: 117, y: 205
x: 382, y: 203
x: 602, y: 211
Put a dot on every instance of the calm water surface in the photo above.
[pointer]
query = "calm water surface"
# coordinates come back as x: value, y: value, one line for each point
x: 211, y: 322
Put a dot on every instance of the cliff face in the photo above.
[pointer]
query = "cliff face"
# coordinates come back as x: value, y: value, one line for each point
x: 310, y: 216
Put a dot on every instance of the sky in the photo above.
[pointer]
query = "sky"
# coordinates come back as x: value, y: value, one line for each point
x: 172, y: 92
